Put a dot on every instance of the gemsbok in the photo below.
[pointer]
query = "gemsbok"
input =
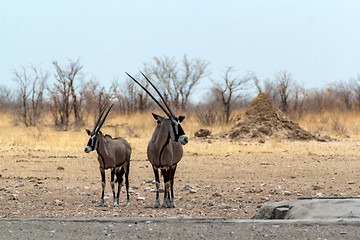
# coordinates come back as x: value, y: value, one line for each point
x: 165, y: 149
x: 113, y: 153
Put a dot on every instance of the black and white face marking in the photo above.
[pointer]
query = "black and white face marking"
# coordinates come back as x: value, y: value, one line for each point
x: 177, y: 130
x: 92, y: 141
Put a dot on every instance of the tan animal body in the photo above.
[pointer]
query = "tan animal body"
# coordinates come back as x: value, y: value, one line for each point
x: 114, y: 154
x: 165, y: 148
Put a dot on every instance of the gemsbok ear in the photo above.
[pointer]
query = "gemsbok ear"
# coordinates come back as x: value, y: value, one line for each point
x: 158, y: 118
x: 181, y: 118
x: 88, y: 131
x: 155, y: 116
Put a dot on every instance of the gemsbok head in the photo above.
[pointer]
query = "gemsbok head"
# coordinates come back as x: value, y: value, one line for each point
x: 114, y: 154
x: 165, y: 149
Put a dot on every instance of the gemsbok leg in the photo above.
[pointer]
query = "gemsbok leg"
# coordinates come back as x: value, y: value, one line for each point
x: 166, y: 172
x: 119, y: 179
x: 157, y: 183
x: 172, y: 175
x: 127, y: 183
x: 112, y: 183
x: 103, y: 183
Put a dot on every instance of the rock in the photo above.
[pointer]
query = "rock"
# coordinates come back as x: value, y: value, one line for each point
x: 280, y: 212
x: 139, y: 198
x: 216, y: 194
x: 58, y: 202
x: 287, y: 193
x: 60, y: 168
x: 19, y: 185
x: 256, y: 190
x: 192, y: 191
x: 317, y: 187
x: 187, y: 187
x: 202, y: 133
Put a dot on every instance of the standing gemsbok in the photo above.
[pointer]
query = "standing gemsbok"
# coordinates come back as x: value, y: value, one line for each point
x: 113, y: 153
x: 165, y: 148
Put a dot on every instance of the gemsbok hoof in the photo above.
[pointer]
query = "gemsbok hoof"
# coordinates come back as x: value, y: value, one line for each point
x: 116, y: 202
x: 165, y: 204
x: 101, y: 204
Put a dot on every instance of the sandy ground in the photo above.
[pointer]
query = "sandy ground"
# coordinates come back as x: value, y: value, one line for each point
x: 216, y: 178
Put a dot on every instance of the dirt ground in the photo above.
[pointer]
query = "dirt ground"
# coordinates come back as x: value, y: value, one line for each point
x: 215, y: 178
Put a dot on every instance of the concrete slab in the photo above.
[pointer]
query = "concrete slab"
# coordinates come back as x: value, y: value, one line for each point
x: 311, y: 208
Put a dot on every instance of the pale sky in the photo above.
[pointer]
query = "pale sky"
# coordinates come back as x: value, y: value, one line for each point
x: 317, y: 41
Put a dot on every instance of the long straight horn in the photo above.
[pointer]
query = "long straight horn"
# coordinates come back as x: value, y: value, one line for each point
x: 162, y: 108
x: 97, y: 123
x: 167, y: 106
x: 102, y: 122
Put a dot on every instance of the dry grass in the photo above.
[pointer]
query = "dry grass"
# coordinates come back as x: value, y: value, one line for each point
x: 138, y: 128
x: 333, y: 123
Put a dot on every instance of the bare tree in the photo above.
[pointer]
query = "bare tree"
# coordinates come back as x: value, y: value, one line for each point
x: 97, y: 95
x: 271, y: 91
x: 65, y: 96
x: 6, y: 99
x: 194, y: 70
x: 177, y: 83
x: 37, y: 94
x: 299, y: 96
x: 285, y: 85
x: 340, y: 96
x: 30, y: 93
x: 257, y: 84
x: 227, y: 90
x: 131, y: 98
x: 316, y: 100
x: 355, y: 83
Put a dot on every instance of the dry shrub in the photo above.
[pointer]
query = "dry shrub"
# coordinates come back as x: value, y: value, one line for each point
x: 213, y: 113
x: 334, y: 123
x: 207, y: 116
x: 338, y: 126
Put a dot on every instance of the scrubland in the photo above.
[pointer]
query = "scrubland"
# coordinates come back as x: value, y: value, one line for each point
x: 46, y: 173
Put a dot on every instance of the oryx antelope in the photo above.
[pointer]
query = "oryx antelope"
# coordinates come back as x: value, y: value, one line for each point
x: 165, y: 149
x: 113, y: 153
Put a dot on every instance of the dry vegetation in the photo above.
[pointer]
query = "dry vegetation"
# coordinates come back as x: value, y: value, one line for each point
x: 333, y: 123
x: 228, y: 178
